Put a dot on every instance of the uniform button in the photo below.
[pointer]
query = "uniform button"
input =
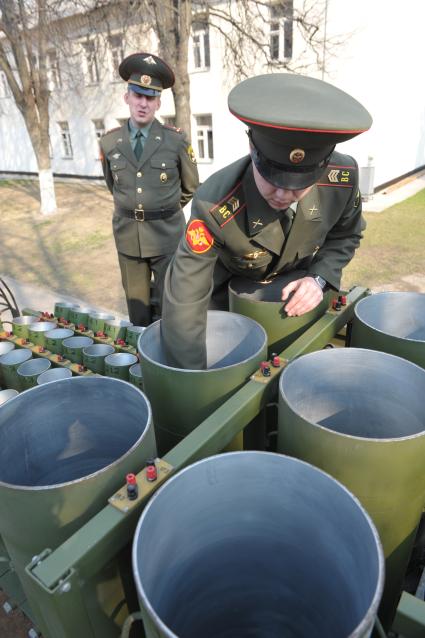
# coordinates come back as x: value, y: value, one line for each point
x: 139, y: 174
x: 139, y: 190
x: 163, y: 165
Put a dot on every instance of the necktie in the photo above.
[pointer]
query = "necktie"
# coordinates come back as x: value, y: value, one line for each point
x: 138, y: 149
x: 286, y: 221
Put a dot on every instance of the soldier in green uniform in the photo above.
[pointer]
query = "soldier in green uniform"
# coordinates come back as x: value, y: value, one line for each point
x: 292, y: 203
x: 151, y: 172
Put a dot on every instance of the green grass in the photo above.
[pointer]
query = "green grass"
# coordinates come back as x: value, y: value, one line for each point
x: 392, y: 247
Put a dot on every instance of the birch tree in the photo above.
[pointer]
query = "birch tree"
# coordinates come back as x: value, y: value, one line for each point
x: 24, y: 26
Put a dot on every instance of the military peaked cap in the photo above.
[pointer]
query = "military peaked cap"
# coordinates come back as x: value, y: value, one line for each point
x: 146, y: 73
x: 294, y: 124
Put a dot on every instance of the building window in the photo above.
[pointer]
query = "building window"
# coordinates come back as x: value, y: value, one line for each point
x: 99, y: 128
x: 204, y: 136
x: 92, y: 68
x: 169, y: 120
x: 281, y: 28
x: 53, y: 70
x: 65, y: 140
x: 116, y: 54
x: 4, y: 86
x: 201, y: 45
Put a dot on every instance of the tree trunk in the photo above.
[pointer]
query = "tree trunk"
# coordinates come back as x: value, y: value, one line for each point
x: 38, y: 132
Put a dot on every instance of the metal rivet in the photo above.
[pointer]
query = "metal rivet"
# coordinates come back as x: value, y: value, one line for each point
x: 65, y: 588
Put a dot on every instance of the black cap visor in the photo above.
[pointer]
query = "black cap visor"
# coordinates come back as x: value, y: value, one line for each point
x: 283, y: 177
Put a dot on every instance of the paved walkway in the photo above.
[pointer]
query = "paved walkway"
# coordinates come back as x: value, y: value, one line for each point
x: 395, y: 194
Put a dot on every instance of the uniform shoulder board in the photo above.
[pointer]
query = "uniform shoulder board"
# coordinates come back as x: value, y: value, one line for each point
x: 229, y: 206
x: 172, y: 128
x: 117, y: 128
x: 338, y: 175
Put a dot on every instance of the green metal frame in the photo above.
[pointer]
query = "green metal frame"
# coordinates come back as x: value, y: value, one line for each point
x: 57, y: 576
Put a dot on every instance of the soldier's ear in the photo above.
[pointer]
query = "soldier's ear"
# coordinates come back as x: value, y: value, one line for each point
x: 126, y: 97
x: 159, y: 103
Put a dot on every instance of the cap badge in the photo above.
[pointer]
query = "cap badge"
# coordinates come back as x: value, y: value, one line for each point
x: 296, y: 155
x: 163, y: 177
x: 149, y: 60
x: 199, y: 237
x: 146, y: 79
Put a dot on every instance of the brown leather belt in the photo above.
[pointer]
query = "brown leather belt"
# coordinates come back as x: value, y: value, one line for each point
x: 140, y: 215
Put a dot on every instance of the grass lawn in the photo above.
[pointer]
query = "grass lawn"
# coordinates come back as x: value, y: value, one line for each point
x: 392, y: 255
x: 73, y: 252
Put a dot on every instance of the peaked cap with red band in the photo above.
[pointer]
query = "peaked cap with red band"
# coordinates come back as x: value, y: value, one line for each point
x: 295, y: 123
x: 146, y: 73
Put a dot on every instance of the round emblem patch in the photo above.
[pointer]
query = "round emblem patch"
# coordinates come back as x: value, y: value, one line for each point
x: 296, y: 155
x: 199, y: 237
x: 146, y: 79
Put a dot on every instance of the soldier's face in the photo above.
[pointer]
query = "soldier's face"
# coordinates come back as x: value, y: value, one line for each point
x: 142, y: 107
x: 278, y: 198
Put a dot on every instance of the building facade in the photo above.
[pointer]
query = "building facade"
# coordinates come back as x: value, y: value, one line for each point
x: 368, y: 52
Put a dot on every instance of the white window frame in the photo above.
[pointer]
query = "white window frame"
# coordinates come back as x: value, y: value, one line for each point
x: 99, y: 130
x: 91, y: 64
x: 53, y: 70
x: 169, y: 120
x: 204, y: 138
x: 66, y: 142
x: 116, y: 54
x: 201, y: 46
x: 280, y: 29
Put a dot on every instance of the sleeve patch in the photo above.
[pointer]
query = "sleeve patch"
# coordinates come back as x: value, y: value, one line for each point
x: 191, y: 154
x: 199, y: 237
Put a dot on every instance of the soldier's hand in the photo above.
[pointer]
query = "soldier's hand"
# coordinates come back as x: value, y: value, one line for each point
x: 306, y: 295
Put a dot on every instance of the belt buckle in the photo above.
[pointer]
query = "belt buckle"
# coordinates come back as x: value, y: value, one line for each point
x: 139, y: 214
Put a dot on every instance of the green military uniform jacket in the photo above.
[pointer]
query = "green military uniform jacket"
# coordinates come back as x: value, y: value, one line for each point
x: 165, y: 177
x: 238, y: 233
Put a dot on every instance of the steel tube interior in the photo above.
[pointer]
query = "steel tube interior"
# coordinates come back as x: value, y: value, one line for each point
x: 33, y: 366
x: 400, y: 314
x: 121, y: 359
x: 5, y: 347
x: 6, y: 395
x: 15, y: 356
x: 357, y: 392
x: 42, y: 326
x: 257, y: 544
x: 66, y: 430
x: 77, y: 342
x: 24, y: 320
x: 98, y: 350
x: 231, y: 339
x: 54, y: 374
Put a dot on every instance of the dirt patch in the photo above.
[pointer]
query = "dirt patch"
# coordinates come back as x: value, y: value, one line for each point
x: 71, y: 252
